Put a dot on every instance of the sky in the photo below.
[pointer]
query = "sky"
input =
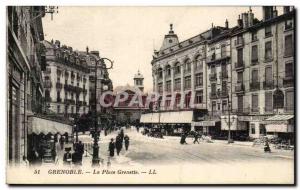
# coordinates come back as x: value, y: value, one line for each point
x: 128, y: 35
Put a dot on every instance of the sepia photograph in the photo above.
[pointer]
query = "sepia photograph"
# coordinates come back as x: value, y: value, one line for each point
x: 150, y: 95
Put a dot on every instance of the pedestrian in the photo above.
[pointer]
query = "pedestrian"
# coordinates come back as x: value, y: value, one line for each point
x: 183, y: 138
x: 61, y: 142
x: 119, y: 144
x: 267, y: 146
x: 77, y: 158
x: 126, y: 138
x: 196, y: 136
x: 67, y: 157
x: 111, y: 148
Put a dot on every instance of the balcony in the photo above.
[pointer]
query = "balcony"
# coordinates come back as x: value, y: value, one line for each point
x: 254, y: 86
x: 213, y: 76
x: 268, y: 85
x: 239, y: 42
x: 239, y: 65
x: 268, y: 109
x: 223, y: 75
x: 241, y: 111
x: 288, y: 82
x: 254, y: 109
x: 47, y: 84
x: 239, y: 87
x: 223, y: 94
x: 58, y: 85
x: 289, y: 109
x: 213, y: 95
x: 254, y: 61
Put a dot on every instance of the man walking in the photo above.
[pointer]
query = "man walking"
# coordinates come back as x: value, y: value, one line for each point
x: 196, y: 137
x: 111, y: 148
x: 126, y: 138
x: 119, y: 144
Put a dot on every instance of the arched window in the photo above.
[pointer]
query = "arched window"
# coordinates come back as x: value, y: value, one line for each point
x: 168, y: 70
x: 187, y: 65
x: 160, y: 74
x: 198, y: 63
x: 177, y: 68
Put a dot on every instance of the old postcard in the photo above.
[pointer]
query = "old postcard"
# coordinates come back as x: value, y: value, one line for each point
x: 150, y: 95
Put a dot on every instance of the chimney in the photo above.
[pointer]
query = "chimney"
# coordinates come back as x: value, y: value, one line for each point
x: 240, y: 21
x: 245, y: 20
x: 226, y: 23
x: 275, y: 12
x: 87, y: 49
x: 57, y: 43
x: 250, y: 17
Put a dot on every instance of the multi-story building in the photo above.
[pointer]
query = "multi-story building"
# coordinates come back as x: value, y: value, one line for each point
x: 25, y: 62
x: 263, y: 74
x: 245, y: 71
x: 66, y: 80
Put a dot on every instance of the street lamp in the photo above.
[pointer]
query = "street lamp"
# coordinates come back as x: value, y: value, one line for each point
x: 95, y: 160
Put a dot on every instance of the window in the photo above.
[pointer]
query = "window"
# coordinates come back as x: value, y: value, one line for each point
x: 240, y: 57
x: 254, y: 102
x: 177, y: 99
x: 224, y: 87
x: 168, y: 86
x: 187, y: 66
x: 240, y: 77
x: 254, y: 36
x: 187, y: 82
x: 199, y: 97
x: 268, y: 31
x: 160, y: 73
x: 214, y: 106
x: 223, y: 50
x: 177, y: 68
x: 262, y: 129
x: 289, y: 70
x: 199, y: 80
x: 177, y: 85
x: 288, y: 24
x: 168, y: 70
x: 289, y: 104
x: 252, y: 126
x: 268, y: 50
x: 213, y: 69
x: 198, y: 64
x: 224, y: 105
x: 268, y: 75
x: 240, y: 104
x: 254, y: 76
x: 72, y: 109
x: 268, y: 101
x: 213, y: 88
x: 58, y: 108
x: 160, y: 87
x: 58, y: 96
x: 254, y: 54
x: 288, y: 48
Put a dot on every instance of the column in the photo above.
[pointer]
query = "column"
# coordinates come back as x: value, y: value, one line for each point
x: 164, y: 88
x: 172, y: 79
x: 182, y: 86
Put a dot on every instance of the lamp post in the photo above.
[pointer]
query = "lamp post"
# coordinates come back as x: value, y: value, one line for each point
x: 95, y: 160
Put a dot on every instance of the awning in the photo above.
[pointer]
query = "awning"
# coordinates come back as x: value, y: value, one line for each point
x: 168, y: 117
x: 45, y: 126
x: 280, y: 118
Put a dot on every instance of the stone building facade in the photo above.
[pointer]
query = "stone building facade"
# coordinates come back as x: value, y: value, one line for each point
x: 246, y: 71
x: 66, y: 80
x: 25, y: 62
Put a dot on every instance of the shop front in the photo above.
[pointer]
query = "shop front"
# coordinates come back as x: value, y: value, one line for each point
x: 43, y: 137
x: 280, y: 126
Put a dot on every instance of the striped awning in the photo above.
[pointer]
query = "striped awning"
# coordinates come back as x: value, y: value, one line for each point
x: 280, y: 118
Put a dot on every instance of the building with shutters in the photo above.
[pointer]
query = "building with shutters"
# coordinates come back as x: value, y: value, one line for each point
x: 25, y: 87
x: 245, y: 71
